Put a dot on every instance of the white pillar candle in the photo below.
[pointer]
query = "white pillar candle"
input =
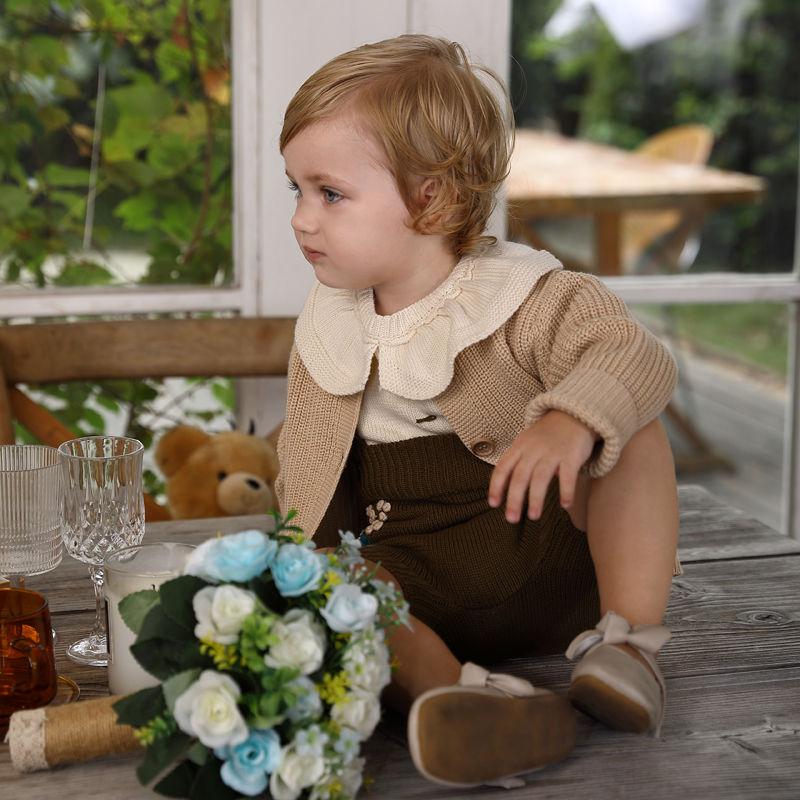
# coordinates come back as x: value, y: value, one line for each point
x: 135, y: 569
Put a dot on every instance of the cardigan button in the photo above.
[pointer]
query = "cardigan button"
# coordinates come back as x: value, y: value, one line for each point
x: 483, y: 448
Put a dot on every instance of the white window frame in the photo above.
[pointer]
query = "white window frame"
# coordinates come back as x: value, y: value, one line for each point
x: 274, y: 47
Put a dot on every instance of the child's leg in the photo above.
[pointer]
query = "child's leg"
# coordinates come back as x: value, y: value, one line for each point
x: 631, y: 521
x: 423, y: 661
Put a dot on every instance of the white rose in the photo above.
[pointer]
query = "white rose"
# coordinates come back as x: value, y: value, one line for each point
x: 294, y: 774
x: 208, y: 710
x: 349, y: 609
x: 359, y: 710
x: 196, y: 563
x: 301, y: 642
x: 220, y: 611
x: 369, y: 674
x: 351, y: 777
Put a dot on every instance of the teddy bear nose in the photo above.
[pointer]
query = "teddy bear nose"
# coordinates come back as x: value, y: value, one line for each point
x: 253, y: 483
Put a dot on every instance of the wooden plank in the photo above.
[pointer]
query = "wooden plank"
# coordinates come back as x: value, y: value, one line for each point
x: 736, y: 734
x: 145, y: 349
x: 710, y: 529
x: 740, y: 741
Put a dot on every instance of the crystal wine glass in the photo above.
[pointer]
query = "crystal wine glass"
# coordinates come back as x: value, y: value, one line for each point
x: 103, y: 512
x: 30, y: 511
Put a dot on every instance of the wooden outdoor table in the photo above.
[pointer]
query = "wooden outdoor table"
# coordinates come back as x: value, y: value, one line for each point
x: 732, y: 669
x: 552, y: 175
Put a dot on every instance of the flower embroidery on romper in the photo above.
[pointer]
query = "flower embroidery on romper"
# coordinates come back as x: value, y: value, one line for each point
x: 377, y: 515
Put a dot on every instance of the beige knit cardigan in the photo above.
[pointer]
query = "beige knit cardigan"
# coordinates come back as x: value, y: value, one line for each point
x: 572, y: 345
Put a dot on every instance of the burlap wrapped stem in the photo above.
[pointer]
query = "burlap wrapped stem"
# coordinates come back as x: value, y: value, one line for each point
x: 47, y: 737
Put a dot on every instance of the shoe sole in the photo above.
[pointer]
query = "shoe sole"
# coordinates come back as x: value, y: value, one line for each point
x: 600, y: 701
x: 464, y: 739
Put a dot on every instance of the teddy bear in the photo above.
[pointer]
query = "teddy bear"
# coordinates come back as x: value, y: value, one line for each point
x: 217, y: 475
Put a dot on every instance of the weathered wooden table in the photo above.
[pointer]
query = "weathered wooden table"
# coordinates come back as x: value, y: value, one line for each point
x: 732, y: 668
x: 558, y: 176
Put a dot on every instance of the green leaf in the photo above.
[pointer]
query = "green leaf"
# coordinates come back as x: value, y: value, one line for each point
x: 139, y: 708
x: 198, y: 754
x: 176, y: 599
x: 145, y: 100
x: 13, y: 200
x: 59, y: 175
x: 159, y: 625
x: 138, y: 211
x: 175, y: 686
x: 163, y: 658
x: 53, y: 118
x: 94, y: 419
x: 83, y: 273
x: 178, y: 783
x: 171, y: 154
x: 133, y: 608
x: 224, y: 391
x: 131, y: 135
x: 161, y: 754
x: 208, y: 784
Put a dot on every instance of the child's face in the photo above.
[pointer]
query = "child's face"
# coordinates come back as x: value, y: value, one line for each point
x: 350, y: 220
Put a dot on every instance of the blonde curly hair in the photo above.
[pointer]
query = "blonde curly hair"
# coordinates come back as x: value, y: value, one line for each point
x: 424, y: 103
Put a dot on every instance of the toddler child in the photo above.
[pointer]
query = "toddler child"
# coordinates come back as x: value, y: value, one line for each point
x: 494, y: 413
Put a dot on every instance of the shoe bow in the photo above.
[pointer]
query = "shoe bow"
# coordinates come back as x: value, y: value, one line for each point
x: 473, y: 675
x: 614, y: 629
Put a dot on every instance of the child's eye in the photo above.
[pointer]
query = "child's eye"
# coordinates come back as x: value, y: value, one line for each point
x: 331, y: 196
x: 294, y: 187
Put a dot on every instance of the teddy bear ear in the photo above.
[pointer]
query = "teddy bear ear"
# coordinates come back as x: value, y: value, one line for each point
x: 273, y: 436
x: 176, y: 445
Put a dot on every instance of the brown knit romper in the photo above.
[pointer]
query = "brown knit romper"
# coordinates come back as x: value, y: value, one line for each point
x: 489, y: 588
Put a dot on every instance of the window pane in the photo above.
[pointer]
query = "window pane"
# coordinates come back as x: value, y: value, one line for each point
x: 731, y: 69
x: 143, y: 409
x: 115, y: 153
x: 727, y: 416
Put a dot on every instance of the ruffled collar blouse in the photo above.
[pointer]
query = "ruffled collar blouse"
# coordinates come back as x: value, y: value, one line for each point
x: 338, y: 332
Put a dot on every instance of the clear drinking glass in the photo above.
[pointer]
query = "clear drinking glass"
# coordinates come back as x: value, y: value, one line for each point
x: 30, y: 510
x: 103, y: 512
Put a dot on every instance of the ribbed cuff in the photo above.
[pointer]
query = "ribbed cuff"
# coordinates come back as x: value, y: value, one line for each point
x: 600, y: 402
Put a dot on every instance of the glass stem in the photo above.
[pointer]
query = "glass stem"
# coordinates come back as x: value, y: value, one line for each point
x: 98, y: 578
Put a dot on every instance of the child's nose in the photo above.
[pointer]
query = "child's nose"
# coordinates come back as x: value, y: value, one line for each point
x: 303, y: 219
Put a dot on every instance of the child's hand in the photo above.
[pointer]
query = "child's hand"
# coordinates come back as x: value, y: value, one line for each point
x: 556, y: 443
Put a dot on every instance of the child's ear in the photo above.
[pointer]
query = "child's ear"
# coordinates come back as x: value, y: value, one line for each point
x: 427, y: 190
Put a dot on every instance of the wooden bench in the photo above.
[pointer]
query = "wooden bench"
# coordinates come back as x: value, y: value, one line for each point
x: 131, y: 350
x: 732, y: 728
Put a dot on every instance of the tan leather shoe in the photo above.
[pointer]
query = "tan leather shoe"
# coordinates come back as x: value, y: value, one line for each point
x: 488, y: 729
x: 613, y: 686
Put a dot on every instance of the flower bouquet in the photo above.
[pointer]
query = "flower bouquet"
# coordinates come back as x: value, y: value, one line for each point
x: 272, y: 659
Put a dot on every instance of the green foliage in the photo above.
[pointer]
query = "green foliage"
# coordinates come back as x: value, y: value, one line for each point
x: 164, y: 172
x: 176, y: 599
x: 742, y: 86
x: 133, y: 608
x: 165, y: 647
x: 163, y: 183
x: 141, y: 707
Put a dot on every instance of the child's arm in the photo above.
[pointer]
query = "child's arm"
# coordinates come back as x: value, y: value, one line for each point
x: 604, y: 377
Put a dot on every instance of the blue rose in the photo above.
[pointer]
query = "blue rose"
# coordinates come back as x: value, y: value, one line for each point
x: 236, y: 558
x: 297, y: 570
x: 247, y: 764
x: 349, y: 609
